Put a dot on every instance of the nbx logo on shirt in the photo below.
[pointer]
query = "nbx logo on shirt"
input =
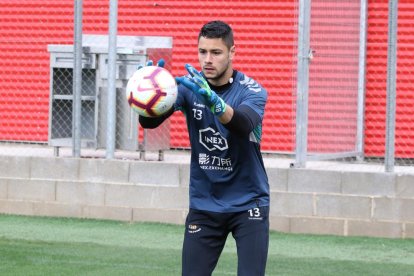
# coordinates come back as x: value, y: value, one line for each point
x: 212, y: 139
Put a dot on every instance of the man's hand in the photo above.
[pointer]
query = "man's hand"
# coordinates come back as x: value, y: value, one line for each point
x: 199, y: 86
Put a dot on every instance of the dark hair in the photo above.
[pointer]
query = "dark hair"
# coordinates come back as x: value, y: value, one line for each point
x: 218, y: 29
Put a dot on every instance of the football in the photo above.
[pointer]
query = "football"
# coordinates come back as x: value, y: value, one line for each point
x: 151, y: 91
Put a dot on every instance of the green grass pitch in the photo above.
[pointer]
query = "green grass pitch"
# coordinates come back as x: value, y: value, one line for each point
x: 57, y: 246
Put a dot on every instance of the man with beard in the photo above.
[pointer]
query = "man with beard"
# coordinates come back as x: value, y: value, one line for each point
x: 229, y: 190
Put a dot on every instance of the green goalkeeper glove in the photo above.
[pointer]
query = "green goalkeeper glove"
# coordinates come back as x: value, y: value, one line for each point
x: 199, y: 86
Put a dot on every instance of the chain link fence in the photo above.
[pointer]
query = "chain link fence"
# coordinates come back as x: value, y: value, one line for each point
x: 36, y: 69
x: 333, y: 77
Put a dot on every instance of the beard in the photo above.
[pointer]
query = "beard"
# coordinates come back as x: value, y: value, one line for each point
x: 219, y: 75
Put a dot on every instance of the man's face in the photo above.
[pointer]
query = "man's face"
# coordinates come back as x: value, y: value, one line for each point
x: 215, y: 60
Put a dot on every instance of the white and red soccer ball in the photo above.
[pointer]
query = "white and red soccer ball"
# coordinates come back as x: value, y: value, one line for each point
x: 151, y: 91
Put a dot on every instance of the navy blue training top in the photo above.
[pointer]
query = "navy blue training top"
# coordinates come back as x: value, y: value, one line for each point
x: 227, y: 173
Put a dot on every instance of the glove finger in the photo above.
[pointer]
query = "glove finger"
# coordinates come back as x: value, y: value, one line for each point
x: 150, y: 63
x: 179, y: 79
x: 203, y: 92
x: 187, y: 82
x: 190, y: 69
x: 140, y: 66
x: 193, y: 72
x: 161, y: 63
x: 200, y: 82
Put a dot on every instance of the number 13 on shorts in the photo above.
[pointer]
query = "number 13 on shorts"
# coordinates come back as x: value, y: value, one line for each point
x: 254, y: 213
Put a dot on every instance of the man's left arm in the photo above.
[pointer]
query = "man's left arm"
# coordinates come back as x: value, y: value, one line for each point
x: 242, y: 121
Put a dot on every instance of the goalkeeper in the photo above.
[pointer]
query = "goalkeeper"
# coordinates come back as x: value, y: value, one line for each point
x: 229, y: 190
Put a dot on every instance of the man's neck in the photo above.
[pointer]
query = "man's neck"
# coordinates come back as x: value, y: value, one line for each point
x: 225, y: 79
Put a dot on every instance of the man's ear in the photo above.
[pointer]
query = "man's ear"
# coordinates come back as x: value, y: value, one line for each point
x: 232, y: 52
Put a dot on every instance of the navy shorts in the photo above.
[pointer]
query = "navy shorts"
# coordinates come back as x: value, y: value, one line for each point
x: 206, y: 234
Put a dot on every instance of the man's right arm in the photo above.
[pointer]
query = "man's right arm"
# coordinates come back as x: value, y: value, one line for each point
x: 154, y: 122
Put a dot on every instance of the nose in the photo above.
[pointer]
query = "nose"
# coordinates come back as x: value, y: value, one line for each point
x: 209, y: 58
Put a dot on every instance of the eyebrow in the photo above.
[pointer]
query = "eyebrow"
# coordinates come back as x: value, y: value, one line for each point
x: 211, y: 50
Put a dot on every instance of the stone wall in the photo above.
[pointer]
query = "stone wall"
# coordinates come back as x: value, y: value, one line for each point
x: 345, y: 203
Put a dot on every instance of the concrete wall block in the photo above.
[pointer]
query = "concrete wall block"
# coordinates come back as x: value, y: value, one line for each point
x: 171, y: 198
x: 394, y: 209
x: 146, y: 196
x: 374, y: 229
x: 409, y: 230
x: 317, y: 226
x: 405, y: 186
x: 84, y: 193
x: 129, y: 195
x: 184, y: 175
x: 18, y: 167
x: 52, y: 209
x: 367, y: 183
x: 291, y: 204
x: 314, y: 181
x: 279, y: 223
x: 407, y: 207
x: 16, y: 207
x: 25, y: 189
x: 54, y: 168
x: 278, y: 179
x: 103, y: 170
x: 163, y: 174
x: 175, y: 216
x: 342, y: 206
x: 107, y: 212
x: 387, y: 209
x: 3, y: 187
